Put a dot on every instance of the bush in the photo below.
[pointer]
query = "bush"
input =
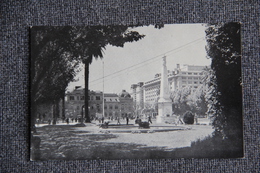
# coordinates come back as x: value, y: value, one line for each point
x: 188, y: 117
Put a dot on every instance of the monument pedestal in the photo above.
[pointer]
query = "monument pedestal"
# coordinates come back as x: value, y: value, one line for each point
x: 164, y: 102
x: 164, y: 110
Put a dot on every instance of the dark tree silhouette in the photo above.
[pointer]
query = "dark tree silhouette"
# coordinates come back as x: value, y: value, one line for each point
x: 225, y: 90
x: 57, y: 51
x: 92, y: 40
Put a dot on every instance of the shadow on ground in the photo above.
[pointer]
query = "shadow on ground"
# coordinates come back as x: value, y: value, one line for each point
x: 64, y: 143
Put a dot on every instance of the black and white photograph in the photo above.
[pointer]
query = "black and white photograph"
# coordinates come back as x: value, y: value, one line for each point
x: 136, y: 92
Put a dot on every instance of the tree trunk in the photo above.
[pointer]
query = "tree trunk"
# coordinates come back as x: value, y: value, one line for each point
x: 54, y: 112
x: 87, y: 118
x: 63, y: 108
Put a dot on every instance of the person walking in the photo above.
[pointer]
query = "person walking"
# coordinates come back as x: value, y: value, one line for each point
x: 118, y: 121
x: 150, y: 119
x: 127, y: 120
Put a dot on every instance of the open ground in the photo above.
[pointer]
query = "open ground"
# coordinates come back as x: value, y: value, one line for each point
x: 68, y: 142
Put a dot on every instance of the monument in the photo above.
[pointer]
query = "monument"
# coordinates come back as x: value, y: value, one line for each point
x: 164, y: 102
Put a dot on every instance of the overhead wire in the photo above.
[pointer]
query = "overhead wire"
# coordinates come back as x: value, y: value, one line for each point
x: 146, y: 61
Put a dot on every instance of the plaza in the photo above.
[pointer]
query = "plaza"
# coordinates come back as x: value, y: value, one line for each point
x: 68, y: 142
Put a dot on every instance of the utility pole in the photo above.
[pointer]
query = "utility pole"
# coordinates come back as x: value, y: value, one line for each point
x: 103, y: 113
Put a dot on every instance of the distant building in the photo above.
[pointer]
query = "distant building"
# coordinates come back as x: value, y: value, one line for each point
x: 127, y: 104
x: 137, y: 93
x: 75, y: 103
x: 114, y: 105
x: 188, y: 75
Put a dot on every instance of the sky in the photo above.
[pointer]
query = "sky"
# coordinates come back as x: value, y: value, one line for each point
x: 140, y: 61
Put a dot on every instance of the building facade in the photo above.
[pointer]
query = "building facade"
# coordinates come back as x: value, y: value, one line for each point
x: 126, y: 104
x: 114, y: 105
x: 137, y: 93
x: 187, y: 75
x: 74, y: 103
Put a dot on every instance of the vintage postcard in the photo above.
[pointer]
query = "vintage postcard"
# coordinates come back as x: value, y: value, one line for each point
x: 136, y: 92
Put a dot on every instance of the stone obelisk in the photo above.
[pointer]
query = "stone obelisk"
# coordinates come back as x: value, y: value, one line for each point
x: 164, y: 102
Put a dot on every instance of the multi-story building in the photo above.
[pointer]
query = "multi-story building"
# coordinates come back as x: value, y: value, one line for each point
x: 188, y: 75
x: 137, y: 93
x: 114, y: 105
x: 126, y: 104
x: 74, y: 103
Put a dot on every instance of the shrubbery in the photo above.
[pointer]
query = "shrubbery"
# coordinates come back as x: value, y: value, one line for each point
x: 188, y: 117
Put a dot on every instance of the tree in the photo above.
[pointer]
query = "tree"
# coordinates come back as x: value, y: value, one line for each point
x: 53, y: 66
x: 180, y: 100
x: 57, y: 51
x: 225, y: 90
x: 91, y: 41
x: 197, y: 99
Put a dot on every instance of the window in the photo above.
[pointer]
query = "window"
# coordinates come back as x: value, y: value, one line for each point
x: 110, y: 107
x: 116, y: 107
x: 77, y: 107
x: 184, y: 82
x: 189, y: 73
x: 105, y: 107
x: 189, y: 82
x: 91, y: 98
x: 196, y: 78
x: 183, y: 77
x: 97, y: 97
x: 82, y: 98
x: 189, y: 77
x: 183, y: 73
x: 77, y: 97
x: 195, y: 73
x: 98, y: 107
x: 71, y: 97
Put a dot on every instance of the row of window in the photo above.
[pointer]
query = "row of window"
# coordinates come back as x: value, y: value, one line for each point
x: 91, y: 98
x: 189, y: 73
x: 190, y: 86
x: 76, y: 98
x: 97, y: 106
x: 190, y: 82
x: 194, y: 78
x: 83, y: 98
x: 153, y: 95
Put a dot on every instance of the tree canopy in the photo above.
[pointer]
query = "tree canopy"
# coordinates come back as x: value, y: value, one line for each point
x: 56, y: 53
x: 225, y: 90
